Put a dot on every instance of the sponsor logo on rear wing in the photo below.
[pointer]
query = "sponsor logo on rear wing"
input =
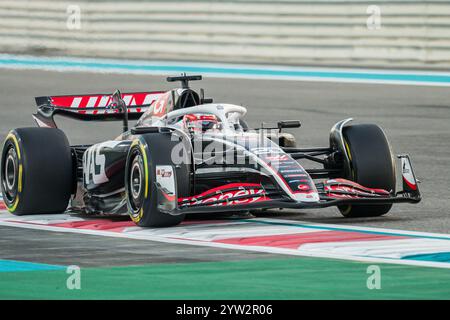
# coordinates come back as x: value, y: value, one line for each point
x: 94, y: 107
x: 87, y: 104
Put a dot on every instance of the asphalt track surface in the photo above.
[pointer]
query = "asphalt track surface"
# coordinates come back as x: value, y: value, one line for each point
x: 416, y: 120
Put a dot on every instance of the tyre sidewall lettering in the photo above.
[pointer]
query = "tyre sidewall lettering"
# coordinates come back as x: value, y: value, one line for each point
x: 138, y: 148
x: 12, y: 141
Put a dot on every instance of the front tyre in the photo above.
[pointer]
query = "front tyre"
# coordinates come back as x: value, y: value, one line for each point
x: 36, y: 171
x: 371, y: 165
x: 147, y: 154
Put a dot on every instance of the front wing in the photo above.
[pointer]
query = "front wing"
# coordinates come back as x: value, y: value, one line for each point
x: 334, y: 192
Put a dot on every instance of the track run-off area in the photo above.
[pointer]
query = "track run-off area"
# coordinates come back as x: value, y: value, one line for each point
x: 308, y: 254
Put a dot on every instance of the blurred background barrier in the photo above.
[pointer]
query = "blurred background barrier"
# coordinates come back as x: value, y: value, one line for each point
x: 397, y: 33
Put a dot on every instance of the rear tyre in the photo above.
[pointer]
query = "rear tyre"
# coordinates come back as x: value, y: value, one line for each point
x: 371, y: 165
x: 37, y: 173
x: 147, y: 153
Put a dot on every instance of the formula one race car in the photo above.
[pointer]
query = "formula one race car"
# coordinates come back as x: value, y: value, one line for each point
x: 188, y: 155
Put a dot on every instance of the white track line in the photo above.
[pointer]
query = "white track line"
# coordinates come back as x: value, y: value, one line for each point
x: 227, y: 246
x: 356, y: 228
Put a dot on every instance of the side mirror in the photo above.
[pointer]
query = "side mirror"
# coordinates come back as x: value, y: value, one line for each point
x: 204, y: 100
x: 289, y: 124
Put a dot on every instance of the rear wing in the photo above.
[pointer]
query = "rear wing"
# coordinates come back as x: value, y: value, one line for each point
x: 94, y: 107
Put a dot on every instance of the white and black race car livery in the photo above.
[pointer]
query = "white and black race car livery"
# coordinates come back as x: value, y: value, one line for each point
x: 188, y: 155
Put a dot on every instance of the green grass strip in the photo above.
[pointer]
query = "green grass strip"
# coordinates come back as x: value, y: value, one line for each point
x: 284, y: 278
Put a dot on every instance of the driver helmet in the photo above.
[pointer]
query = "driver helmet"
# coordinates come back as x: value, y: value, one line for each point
x: 198, y: 123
